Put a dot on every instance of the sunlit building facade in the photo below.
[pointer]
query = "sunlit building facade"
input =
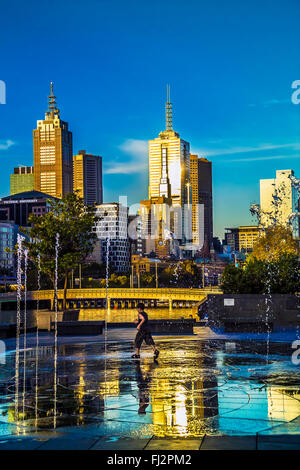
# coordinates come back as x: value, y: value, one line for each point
x: 52, y: 153
x: 169, y: 181
x: 280, y: 201
x: 157, y: 220
x: 202, y: 215
x: 22, y: 180
x: 87, y: 177
x: 242, y: 238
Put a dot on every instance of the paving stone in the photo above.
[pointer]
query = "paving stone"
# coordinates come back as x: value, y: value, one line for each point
x: 174, y: 444
x: 68, y: 444
x: 20, y: 444
x: 279, y: 442
x: 229, y: 443
x: 120, y: 444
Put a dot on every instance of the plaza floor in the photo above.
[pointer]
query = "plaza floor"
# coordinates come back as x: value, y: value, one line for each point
x: 205, y: 392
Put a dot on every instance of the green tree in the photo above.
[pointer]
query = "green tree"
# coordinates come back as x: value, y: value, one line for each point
x: 94, y: 270
x: 116, y: 281
x: 281, y: 276
x: 231, y: 279
x: 147, y: 280
x: 69, y: 218
x: 183, y: 273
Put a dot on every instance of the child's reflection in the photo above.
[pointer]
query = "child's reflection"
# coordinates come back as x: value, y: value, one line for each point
x: 143, y: 383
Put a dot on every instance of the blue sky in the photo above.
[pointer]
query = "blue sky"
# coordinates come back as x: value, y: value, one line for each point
x: 230, y: 66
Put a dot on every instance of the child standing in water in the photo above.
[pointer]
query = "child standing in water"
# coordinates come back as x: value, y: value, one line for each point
x: 143, y: 333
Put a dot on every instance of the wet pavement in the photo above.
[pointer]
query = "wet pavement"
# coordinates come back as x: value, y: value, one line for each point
x: 205, y: 391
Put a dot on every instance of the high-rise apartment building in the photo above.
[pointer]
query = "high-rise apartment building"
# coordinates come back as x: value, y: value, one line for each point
x: 22, y: 180
x: 52, y: 153
x: 280, y: 201
x: 111, y: 229
x: 87, y: 177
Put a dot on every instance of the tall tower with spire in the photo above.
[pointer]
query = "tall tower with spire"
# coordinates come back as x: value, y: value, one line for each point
x: 53, y: 152
x: 169, y: 175
x: 169, y: 158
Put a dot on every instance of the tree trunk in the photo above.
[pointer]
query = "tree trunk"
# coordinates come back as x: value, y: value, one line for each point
x: 65, y: 291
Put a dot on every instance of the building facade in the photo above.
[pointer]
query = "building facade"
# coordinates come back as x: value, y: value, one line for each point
x: 18, y: 207
x: 22, y: 180
x: 280, y: 201
x: 243, y: 238
x: 8, y: 240
x: 157, y: 217
x: 169, y: 181
x: 201, y: 181
x: 137, y: 244
x: 53, y: 153
x: 112, y: 230
x: 87, y: 177
x: 205, y: 196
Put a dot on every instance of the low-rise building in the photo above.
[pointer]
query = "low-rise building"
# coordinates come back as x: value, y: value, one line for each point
x: 143, y: 264
x: 18, y: 207
x: 242, y: 238
x: 22, y: 180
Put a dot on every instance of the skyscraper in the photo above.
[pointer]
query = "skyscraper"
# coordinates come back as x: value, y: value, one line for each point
x: 87, y: 177
x: 22, y: 180
x: 280, y: 201
x: 169, y: 178
x: 197, y: 209
x: 52, y: 153
x: 201, y: 180
x: 169, y: 163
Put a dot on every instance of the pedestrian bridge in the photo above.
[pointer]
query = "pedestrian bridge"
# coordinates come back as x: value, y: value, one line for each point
x: 126, y: 298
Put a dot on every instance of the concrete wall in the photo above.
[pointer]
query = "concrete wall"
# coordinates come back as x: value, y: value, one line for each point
x: 231, y: 311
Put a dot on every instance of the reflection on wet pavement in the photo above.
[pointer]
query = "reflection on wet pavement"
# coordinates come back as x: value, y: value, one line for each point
x: 198, y: 386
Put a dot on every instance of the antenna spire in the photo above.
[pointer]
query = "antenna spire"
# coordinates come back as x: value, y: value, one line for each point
x: 169, y: 118
x: 52, y: 109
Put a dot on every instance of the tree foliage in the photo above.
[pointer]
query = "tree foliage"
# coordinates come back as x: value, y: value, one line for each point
x: 147, y: 280
x: 281, y: 276
x: 275, y: 242
x: 116, y: 281
x: 183, y: 273
x: 69, y: 218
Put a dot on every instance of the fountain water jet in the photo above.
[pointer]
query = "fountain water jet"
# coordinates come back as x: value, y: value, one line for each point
x: 25, y: 328
x: 55, y: 327
x: 106, y: 309
x: 18, y: 325
x: 37, y: 339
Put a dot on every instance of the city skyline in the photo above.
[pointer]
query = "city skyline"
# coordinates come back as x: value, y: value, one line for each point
x: 238, y: 114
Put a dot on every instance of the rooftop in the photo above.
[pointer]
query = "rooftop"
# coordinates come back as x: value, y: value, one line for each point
x: 28, y: 195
